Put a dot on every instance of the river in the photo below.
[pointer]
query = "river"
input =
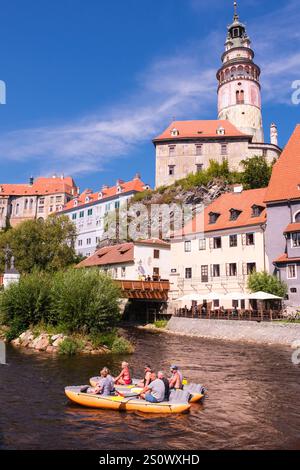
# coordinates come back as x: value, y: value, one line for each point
x: 252, y: 403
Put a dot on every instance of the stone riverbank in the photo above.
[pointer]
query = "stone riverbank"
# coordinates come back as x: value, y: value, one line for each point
x: 285, y: 334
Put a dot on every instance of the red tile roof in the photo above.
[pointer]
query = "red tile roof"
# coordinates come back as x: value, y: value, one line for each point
x: 153, y: 242
x: 135, y: 185
x: 295, y: 227
x: 241, y: 202
x: 285, y: 180
x: 116, y: 254
x: 284, y: 259
x: 200, y: 129
x: 41, y: 186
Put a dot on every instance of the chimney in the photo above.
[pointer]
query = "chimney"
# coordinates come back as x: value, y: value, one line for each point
x: 274, y: 134
x: 137, y: 176
x: 104, y: 186
x: 238, y: 188
x: 31, y: 180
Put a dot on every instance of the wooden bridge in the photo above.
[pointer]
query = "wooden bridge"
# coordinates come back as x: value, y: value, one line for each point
x: 144, y: 290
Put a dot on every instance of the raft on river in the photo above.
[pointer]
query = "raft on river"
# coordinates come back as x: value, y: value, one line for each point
x: 196, y: 391
x: 127, y: 403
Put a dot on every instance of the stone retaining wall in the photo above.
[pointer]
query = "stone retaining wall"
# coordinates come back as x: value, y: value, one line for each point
x: 232, y: 330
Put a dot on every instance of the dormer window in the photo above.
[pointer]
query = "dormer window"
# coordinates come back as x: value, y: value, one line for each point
x: 213, y: 217
x: 100, y: 195
x: 234, y: 214
x: 87, y: 199
x: 75, y: 203
x: 119, y: 189
x: 256, y: 210
x: 220, y: 131
x: 174, y: 132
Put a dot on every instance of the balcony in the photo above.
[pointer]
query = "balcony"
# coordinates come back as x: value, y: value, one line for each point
x: 144, y: 290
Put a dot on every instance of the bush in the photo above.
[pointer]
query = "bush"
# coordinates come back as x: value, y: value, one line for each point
x: 103, y: 339
x: 69, y: 347
x: 265, y: 282
x: 85, y: 300
x: 160, y: 323
x: 121, y: 346
x: 76, y: 300
x: 26, y: 303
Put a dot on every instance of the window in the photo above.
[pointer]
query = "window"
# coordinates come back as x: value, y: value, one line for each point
x: 199, y: 167
x: 17, y: 208
x: 297, y: 217
x: 26, y: 204
x: 41, y: 209
x: 172, y: 149
x: 74, y: 216
x: 115, y: 272
x: 51, y: 209
x: 215, y: 270
x: 202, y: 244
x: 256, y: 211
x: 204, y: 273
x: 232, y: 269
x: 291, y: 271
x: 240, y: 97
x: 107, y: 207
x: 52, y: 199
x: 213, y: 217
x: 123, y: 271
x: 187, y: 246
x: 223, y: 149
x: 42, y: 201
x: 156, y: 254
x: 88, y: 241
x: 217, y: 243
x: 216, y: 303
x: 250, y: 239
x: 234, y: 214
x: 188, y: 273
x: 79, y: 242
x: 81, y: 214
x: 90, y: 212
x: 171, y: 170
x: 295, y: 240
x: 199, y: 148
x: 233, y: 241
x: 251, y: 268
x: 58, y: 198
x: 117, y: 205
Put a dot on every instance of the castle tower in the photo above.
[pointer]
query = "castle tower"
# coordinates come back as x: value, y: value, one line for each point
x: 239, y: 97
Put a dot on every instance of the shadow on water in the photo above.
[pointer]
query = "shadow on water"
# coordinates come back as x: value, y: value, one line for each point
x: 252, y: 403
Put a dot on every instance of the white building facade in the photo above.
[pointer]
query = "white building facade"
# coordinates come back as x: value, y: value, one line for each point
x: 89, y: 211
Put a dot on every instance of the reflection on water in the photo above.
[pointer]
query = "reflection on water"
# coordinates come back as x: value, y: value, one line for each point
x: 253, y: 399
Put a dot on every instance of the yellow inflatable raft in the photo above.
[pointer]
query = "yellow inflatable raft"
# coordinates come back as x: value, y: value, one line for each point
x: 122, y: 404
x: 194, y: 395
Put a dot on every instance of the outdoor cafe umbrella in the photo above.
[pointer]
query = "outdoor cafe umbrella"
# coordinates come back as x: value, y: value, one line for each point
x: 263, y: 296
x: 235, y: 296
x: 190, y: 298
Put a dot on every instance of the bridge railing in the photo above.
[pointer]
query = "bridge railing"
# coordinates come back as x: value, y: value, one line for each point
x: 148, y: 290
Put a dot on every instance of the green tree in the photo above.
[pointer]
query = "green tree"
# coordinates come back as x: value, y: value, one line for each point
x: 265, y: 282
x: 257, y: 172
x: 46, y: 245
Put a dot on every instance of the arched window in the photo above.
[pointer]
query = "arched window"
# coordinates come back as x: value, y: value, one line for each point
x: 297, y: 217
x: 26, y: 204
x: 31, y: 204
x: 17, y: 208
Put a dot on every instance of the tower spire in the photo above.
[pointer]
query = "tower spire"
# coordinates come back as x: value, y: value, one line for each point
x: 236, y: 16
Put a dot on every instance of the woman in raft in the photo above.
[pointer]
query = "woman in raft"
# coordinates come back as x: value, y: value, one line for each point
x: 124, y: 378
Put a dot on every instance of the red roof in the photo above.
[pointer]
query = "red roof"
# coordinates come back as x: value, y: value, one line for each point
x: 116, y: 254
x: 295, y: 227
x: 41, y: 186
x: 135, y: 185
x: 153, y: 242
x: 242, y: 202
x: 284, y: 259
x: 285, y: 180
x: 200, y: 129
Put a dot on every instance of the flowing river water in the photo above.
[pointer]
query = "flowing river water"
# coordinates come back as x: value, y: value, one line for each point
x: 253, y: 399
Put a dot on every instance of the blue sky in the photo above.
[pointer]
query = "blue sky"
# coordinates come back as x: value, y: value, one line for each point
x: 91, y: 82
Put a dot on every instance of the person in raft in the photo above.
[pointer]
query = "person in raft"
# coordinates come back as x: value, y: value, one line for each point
x: 105, y: 385
x: 155, y: 391
x: 147, y: 376
x: 175, y: 381
x: 161, y: 375
x: 124, y: 378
